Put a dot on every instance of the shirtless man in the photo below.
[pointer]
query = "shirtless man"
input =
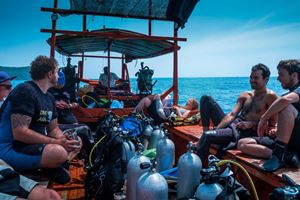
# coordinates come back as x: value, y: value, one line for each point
x: 242, y: 121
x: 286, y: 148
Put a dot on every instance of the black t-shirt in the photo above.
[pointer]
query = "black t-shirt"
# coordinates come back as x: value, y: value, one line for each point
x: 28, y: 99
x: 65, y: 116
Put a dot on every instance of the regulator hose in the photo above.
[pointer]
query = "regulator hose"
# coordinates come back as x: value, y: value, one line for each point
x: 94, y: 147
x: 88, y: 96
x: 222, y: 162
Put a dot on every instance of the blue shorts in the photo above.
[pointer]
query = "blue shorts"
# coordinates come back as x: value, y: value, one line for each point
x: 19, y: 161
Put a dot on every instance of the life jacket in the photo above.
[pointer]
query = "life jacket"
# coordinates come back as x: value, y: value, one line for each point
x: 144, y: 80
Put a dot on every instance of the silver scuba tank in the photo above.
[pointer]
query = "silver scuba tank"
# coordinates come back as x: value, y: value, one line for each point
x: 146, y: 135
x: 151, y: 185
x: 128, y: 151
x: 210, y: 188
x: 134, y: 172
x: 156, y: 135
x: 165, y: 153
x: 189, y: 167
x: 208, y: 191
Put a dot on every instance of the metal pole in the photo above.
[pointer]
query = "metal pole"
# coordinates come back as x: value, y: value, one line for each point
x: 54, y: 17
x: 175, y: 69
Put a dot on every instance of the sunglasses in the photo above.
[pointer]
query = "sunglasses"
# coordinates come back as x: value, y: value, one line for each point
x: 6, y: 86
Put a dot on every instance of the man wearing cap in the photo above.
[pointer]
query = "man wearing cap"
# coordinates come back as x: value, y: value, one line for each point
x: 5, y: 85
x: 29, y: 135
x: 66, y: 119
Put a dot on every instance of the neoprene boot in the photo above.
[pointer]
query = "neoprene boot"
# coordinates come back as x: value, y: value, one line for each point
x: 293, y: 160
x: 278, y: 158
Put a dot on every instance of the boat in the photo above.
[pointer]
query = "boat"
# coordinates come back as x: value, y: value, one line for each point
x: 131, y: 46
x: 128, y: 44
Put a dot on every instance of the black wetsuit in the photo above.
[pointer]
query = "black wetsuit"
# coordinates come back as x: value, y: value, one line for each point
x: 65, y: 116
x: 295, y: 137
x: 225, y: 138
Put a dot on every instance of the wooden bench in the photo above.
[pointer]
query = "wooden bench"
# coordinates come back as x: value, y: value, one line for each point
x: 265, y: 182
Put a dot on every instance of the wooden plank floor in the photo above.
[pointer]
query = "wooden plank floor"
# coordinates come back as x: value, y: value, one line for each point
x: 75, y: 188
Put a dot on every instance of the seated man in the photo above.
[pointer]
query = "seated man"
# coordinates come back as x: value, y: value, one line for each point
x: 29, y: 135
x: 288, y: 108
x: 15, y: 186
x: 159, y: 113
x: 65, y: 117
x: 5, y: 85
x: 243, y: 119
x: 114, y: 83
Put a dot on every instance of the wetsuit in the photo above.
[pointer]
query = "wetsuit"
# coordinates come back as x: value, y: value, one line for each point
x: 293, y: 145
x: 26, y: 99
x: 225, y: 138
x: 67, y: 119
x: 65, y: 116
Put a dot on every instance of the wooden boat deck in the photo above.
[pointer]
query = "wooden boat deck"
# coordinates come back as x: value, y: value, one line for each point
x: 74, y: 190
x: 264, y: 182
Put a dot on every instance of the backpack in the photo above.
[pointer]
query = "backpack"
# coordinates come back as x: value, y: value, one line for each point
x: 105, y: 175
x: 144, y: 80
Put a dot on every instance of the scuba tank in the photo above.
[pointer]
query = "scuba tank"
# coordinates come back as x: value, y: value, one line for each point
x: 127, y: 153
x: 209, y: 189
x: 189, y: 167
x: 134, y: 172
x: 165, y: 153
x: 151, y: 185
x: 156, y: 135
x: 146, y: 135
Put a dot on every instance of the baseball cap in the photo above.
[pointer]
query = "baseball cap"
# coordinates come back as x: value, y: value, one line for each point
x: 4, y: 76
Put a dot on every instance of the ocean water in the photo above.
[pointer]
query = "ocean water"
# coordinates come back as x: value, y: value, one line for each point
x: 225, y: 90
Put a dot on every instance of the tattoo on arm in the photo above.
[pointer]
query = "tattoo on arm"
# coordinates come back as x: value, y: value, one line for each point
x: 19, y: 120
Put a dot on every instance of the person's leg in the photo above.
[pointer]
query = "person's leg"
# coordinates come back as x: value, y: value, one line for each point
x: 286, y: 122
x: 210, y: 110
x: 144, y: 103
x: 250, y: 147
x: 39, y: 192
x: 220, y: 137
x: 53, y: 156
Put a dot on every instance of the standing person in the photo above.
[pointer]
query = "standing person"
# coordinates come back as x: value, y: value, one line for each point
x: 5, y: 85
x: 242, y: 121
x: 288, y: 108
x: 29, y: 135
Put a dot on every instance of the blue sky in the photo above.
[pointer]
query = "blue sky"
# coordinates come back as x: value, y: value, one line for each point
x: 225, y: 37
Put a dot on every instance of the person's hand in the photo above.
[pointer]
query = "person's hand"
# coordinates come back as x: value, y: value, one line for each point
x: 272, y: 132
x: 262, y: 127
x: 244, y: 125
x: 69, y: 144
x: 61, y: 104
